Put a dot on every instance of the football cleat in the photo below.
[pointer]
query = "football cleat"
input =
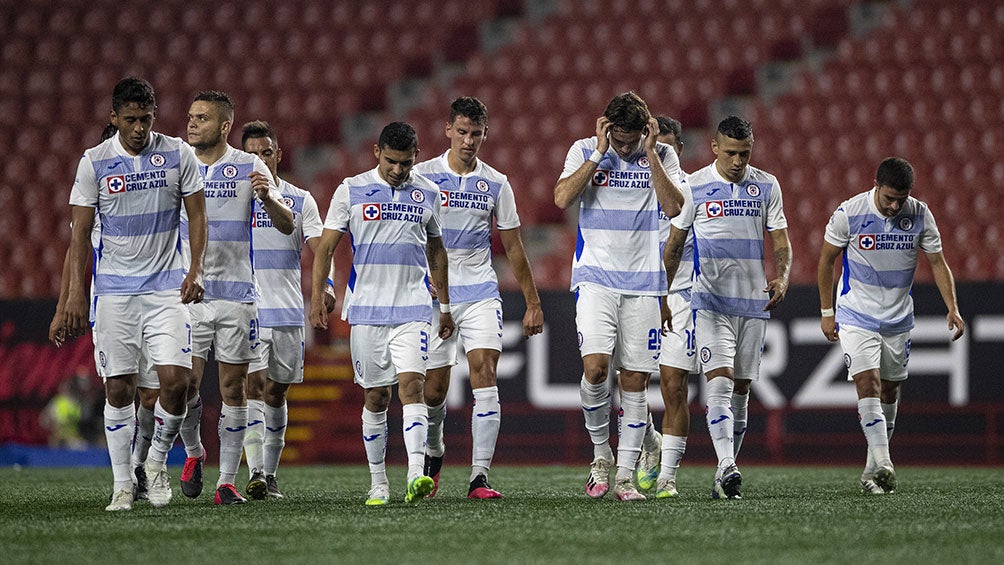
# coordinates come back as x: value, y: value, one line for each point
x: 419, y: 488
x: 227, y: 494
x: 433, y: 466
x: 272, y: 488
x: 257, y: 487
x: 121, y: 500
x: 885, y: 478
x: 727, y: 485
x: 139, y: 483
x: 159, y: 493
x: 648, y: 465
x: 666, y: 489
x: 624, y: 490
x: 480, y: 489
x: 191, y: 476
x: 868, y: 486
x: 379, y: 495
x: 598, y: 481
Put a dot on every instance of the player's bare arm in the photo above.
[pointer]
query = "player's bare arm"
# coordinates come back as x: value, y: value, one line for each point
x: 329, y: 289
x: 666, y: 190
x: 777, y: 289
x: 75, y: 313
x: 824, y: 275
x: 569, y: 189
x: 439, y: 272
x: 672, y: 254
x: 57, y: 333
x: 946, y: 285
x: 533, y: 318
x: 192, y: 289
x: 281, y: 216
x: 323, y: 253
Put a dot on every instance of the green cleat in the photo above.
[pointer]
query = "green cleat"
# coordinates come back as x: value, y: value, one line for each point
x: 378, y: 495
x: 648, y: 465
x: 419, y: 488
x: 666, y: 489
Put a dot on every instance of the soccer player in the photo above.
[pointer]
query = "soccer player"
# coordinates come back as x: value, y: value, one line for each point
x: 280, y: 315
x: 136, y: 183
x: 879, y: 232
x: 392, y: 217
x: 472, y: 194
x: 620, y: 177
x: 732, y: 202
x: 227, y: 319
x: 677, y: 359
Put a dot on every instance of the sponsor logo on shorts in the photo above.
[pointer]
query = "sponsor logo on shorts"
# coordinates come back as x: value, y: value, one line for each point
x: 847, y: 360
x: 102, y: 359
x: 705, y: 354
x: 359, y: 368
x: 580, y: 339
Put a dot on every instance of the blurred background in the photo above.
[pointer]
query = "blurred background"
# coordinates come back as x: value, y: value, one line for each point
x: 830, y: 86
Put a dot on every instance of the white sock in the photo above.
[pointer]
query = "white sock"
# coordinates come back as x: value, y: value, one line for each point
x: 254, y: 437
x: 144, y: 434
x: 672, y: 452
x: 652, y: 435
x: 873, y: 425
x: 375, y: 442
x: 232, y: 428
x: 120, y: 424
x: 437, y: 415
x: 596, y: 411
x: 739, y: 404
x: 719, y: 418
x: 165, y: 431
x: 889, y: 411
x: 191, y: 428
x: 275, y: 437
x: 416, y: 436
x: 486, y: 418
x: 634, y: 419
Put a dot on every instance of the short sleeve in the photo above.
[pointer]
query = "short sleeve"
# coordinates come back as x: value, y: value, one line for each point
x: 671, y: 163
x: 838, y: 229
x: 506, y: 216
x: 338, y: 210
x: 685, y: 219
x: 775, y: 209
x: 575, y: 158
x: 189, y: 178
x: 310, y: 218
x: 930, y: 238
x: 434, y: 227
x: 85, y: 185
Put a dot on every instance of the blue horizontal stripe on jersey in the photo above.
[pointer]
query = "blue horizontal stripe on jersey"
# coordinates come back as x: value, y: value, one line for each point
x: 730, y: 248
x: 647, y: 282
x: 857, y: 319
x: 390, y: 254
x: 728, y: 305
x: 138, y: 284
x: 277, y: 259
x: 473, y: 292
x: 467, y: 239
x: 389, y: 315
x: 685, y: 293
x: 280, y: 317
x: 885, y: 279
x: 229, y: 230
x: 619, y: 220
x: 236, y: 291
x: 139, y: 224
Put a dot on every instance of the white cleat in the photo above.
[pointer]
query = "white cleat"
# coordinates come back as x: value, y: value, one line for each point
x: 379, y: 495
x: 159, y: 491
x: 598, y: 481
x: 885, y: 478
x: 121, y: 500
x: 868, y: 485
x: 666, y: 489
x: 624, y: 490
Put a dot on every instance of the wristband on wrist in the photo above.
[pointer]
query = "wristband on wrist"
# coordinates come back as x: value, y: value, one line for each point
x: 826, y: 312
x: 444, y: 308
x: 596, y: 156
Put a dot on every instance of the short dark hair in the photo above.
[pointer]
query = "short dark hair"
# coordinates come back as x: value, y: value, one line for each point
x: 132, y: 89
x: 735, y: 127
x: 258, y: 128
x: 221, y: 99
x: 398, y: 136
x: 628, y: 112
x: 669, y: 125
x: 896, y: 173
x: 470, y: 108
x: 109, y: 132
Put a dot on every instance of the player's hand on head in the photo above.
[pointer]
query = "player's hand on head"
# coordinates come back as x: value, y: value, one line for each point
x: 955, y: 322
x: 602, y: 134
x: 651, y: 134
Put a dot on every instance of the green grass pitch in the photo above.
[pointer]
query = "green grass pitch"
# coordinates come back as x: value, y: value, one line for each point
x: 788, y: 515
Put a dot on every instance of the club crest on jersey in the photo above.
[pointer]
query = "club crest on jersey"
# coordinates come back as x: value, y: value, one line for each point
x: 288, y: 202
x: 753, y: 190
x: 418, y: 196
x: 115, y: 184
x: 601, y: 178
x: 157, y: 160
x: 714, y: 209
x: 905, y: 223
x: 371, y: 212
x: 444, y: 199
x: 482, y: 185
x: 229, y: 171
x: 643, y: 162
x: 866, y: 242
x: 705, y: 354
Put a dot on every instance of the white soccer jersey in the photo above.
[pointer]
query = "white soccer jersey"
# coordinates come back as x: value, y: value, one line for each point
x: 728, y: 220
x: 617, y: 244
x: 684, y: 278
x: 389, y: 228
x: 469, y: 202
x: 277, y: 257
x: 880, y: 258
x: 137, y: 199
x: 228, y: 266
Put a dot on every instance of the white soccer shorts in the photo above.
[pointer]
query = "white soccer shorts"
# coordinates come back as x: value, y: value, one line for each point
x: 479, y: 326
x: 123, y: 323
x: 230, y: 327
x: 679, y: 349
x: 381, y: 353
x: 730, y: 341
x: 865, y: 350
x: 630, y: 324
x: 281, y: 353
